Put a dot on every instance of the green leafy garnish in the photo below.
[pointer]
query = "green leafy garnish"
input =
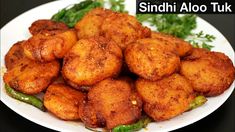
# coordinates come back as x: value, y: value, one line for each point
x: 117, y: 5
x: 174, y: 24
x: 70, y: 16
x: 179, y: 26
x: 201, y: 40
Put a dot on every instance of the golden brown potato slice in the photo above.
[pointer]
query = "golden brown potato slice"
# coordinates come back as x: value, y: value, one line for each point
x: 183, y: 48
x: 48, y: 47
x: 123, y: 29
x: 90, y: 25
x: 31, y: 77
x: 14, y: 55
x: 161, y: 45
x: 166, y: 98
x: 90, y: 61
x: 118, y: 27
x: 210, y: 73
x: 63, y: 101
x: 111, y: 103
x: 46, y: 25
x: 151, y: 59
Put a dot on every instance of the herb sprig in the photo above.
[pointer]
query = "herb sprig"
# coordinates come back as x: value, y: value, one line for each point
x: 117, y: 5
x: 201, y: 40
x: 174, y: 24
x: 179, y: 26
x: 70, y: 16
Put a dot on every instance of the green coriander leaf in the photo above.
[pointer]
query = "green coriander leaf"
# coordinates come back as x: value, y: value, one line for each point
x: 174, y: 24
x: 70, y: 16
x: 201, y: 40
x: 207, y: 46
x: 117, y: 5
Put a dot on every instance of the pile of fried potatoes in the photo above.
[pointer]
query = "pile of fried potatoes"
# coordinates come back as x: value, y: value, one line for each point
x: 109, y: 70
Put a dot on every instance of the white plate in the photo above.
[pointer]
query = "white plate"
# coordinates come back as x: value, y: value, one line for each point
x: 17, y: 29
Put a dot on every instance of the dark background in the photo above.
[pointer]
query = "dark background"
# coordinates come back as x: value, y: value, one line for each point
x: 222, y: 120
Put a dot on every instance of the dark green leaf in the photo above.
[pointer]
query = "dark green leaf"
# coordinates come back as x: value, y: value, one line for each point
x: 70, y: 16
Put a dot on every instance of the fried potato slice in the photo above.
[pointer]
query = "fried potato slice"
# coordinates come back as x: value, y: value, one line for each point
x: 165, y: 98
x: 90, y: 61
x: 151, y: 59
x: 48, y: 47
x: 45, y: 26
x: 63, y: 101
x: 90, y: 25
x: 111, y: 103
x: 183, y: 48
x: 14, y: 55
x: 26, y: 75
x: 123, y: 29
x: 210, y: 73
x: 118, y: 27
x: 31, y: 77
x: 161, y: 45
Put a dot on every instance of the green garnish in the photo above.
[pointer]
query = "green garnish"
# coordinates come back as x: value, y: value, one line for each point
x: 70, y: 16
x: 29, y: 99
x: 201, y: 40
x: 117, y: 5
x: 179, y: 26
x: 197, y: 102
x: 174, y: 24
x: 142, y: 123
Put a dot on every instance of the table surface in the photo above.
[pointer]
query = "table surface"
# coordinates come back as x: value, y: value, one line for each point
x: 223, y: 119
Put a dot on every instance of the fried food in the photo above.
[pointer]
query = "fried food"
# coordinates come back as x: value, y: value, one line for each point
x: 14, y: 55
x: 118, y: 27
x: 63, y: 101
x: 161, y: 45
x: 111, y: 103
x: 90, y: 85
x: 48, y: 47
x: 90, y: 61
x: 123, y: 29
x: 210, y: 73
x: 166, y: 98
x: 46, y: 26
x: 183, y: 48
x: 25, y: 75
x: 151, y: 59
x: 31, y: 77
x: 90, y: 24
